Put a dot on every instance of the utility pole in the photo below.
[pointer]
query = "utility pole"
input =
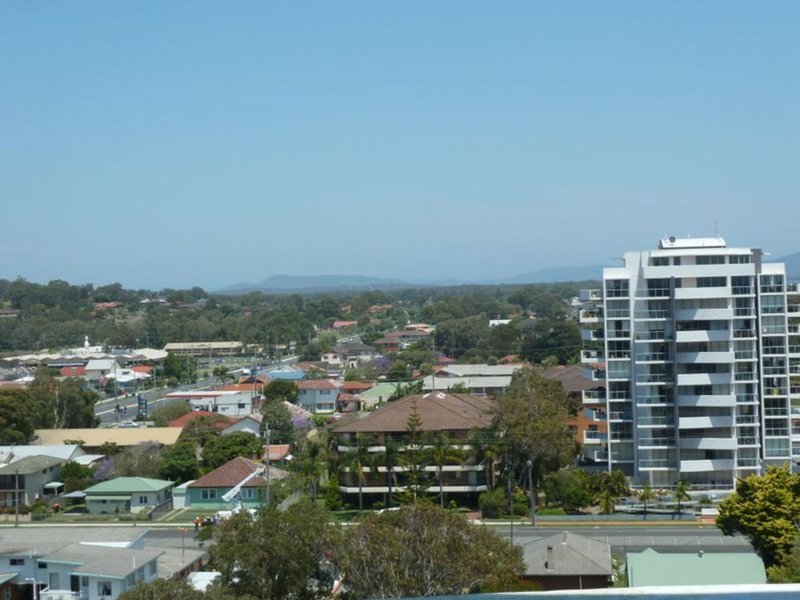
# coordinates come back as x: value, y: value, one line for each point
x: 533, y: 496
x: 16, y: 497
x: 510, y: 498
x: 266, y: 475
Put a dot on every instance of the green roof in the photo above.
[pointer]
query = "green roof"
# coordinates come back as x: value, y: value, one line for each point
x: 94, y: 498
x: 128, y: 485
x: 31, y: 464
x: 382, y: 390
x: 651, y: 568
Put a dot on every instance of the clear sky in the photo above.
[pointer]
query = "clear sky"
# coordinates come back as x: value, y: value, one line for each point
x: 206, y: 143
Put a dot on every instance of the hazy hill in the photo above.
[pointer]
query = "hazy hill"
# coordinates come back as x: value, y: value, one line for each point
x: 792, y: 262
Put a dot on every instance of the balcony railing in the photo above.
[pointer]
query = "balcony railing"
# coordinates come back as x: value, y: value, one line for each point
x: 651, y: 378
x: 771, y: 289
x: 746, y: 398
x: 746, y: 441
x: 744, y: 333
x: 618, y: 313
x: 658, y: 334
x: 654, y: 463
x: 651, y: 356
x: 744, y: 355
x: 620, y: 416
x: 747, y: 462
x: 656, y: 441
x: 773, y: 329
x: 742, y: 290
x: 655, y: 421
x: 653, y: 400
x: 745, y: 419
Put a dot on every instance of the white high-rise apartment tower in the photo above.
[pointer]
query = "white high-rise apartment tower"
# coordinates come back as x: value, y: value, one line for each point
x: 695, y: 348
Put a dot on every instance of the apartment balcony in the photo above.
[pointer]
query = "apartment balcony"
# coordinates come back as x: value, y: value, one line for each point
x: 704, y: 357
x: 618, y: 334
x: 651, y: 315
x: 701, y: 293
x: 594, y: 437
x: 598, y: 416
x: 596, y: 454
x: 727, y: 400
x: 747, y: 442
x: 655, y: 464
x: 703, y: 335
x: 704, y: 378
x: 793, y: 329
x: 743, y: 290
x: 794, y: 350
x: 618, y: 313
x: 653, y: 400
x: 653, y: 335
x: 707, y: 422
x: 707, y: 443
x: 591, y: 356
x: 748, y: 463
x: 590, y: 316
x: 793, y: 288
x: 704, y: 314
x: 794, y: 390
x: 621, y: 457
x: 747, y: 399
x: 594, y: 374
x: 746, y: 420
x: 619, y: 396
x: 656, y: 442
x: 742, y: 355
x: 591, y: 295
x: 698, y: 466
x: 620, y: 417
x: 652, y: 378
x: 592, y: 335
x: 594, y: 396
x: 651, y: 357
x: 657, y: 421
x: 773, y: 330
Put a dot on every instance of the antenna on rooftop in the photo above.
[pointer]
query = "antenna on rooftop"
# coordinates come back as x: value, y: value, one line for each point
x: 716, y: 228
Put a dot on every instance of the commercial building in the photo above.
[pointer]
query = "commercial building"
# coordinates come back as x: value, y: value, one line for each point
x: 696, y: 349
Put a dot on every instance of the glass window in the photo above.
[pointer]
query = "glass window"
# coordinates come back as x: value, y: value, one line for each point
x: 103, y: 588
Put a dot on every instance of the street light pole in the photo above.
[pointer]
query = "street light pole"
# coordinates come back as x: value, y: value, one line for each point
x: 16, y: 498
x: 533, y: 494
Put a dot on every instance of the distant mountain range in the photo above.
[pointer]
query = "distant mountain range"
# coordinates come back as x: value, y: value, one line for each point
x: 321, y: 283
x: 792, y: 262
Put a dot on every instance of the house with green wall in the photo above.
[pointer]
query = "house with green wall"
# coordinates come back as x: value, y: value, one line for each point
x: 208, y: 491
x: 127, y: 494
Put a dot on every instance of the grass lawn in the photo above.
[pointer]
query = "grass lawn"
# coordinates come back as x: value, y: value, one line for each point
x: 185, y: 515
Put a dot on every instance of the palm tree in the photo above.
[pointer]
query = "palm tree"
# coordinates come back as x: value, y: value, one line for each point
x: 391, y: 458
x: 487, y: 447
x: 680, y: 493
x: 441, y: 452
x: 311, y: 466
x: 607, y: 501
x: 358, y: 460
x: 646, y: 495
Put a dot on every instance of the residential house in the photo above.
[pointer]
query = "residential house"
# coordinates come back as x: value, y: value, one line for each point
x: 349, y: 355
x: 250, y: 424
x: 208, y: 491
x: 318, y: 395
x: 100, y: 369
x: 230, y: 403
x: 453, y: 415
x: 285, y: 373
x: 31, y: 477
x: 477, y: 386
x: 590, y: 424
x: 379, y: 394
x: 343, y: 324
x: 209, y: 349
x: 76, y: 563
x: 567, y: 561
x: 127, y: 495
x: 73, y: 371
x: 92, y: 439
x: 651, y: 568
x: 220, y: 422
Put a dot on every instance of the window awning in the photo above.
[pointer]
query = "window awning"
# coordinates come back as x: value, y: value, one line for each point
x: 110, y: 498
x: 53, y: 485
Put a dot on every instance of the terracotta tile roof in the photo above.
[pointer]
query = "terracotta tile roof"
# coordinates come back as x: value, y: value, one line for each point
x: 241, y: 387
x: 317, y: 384
x: 278, y: 451
x: 233, y: 472
x: 142, y: 369
x: 220, y: 421
x: 356, y: 386
x: 73, y: 371
x: 439, y: 411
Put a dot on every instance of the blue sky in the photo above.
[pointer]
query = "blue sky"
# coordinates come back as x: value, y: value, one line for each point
x: 206, y: 143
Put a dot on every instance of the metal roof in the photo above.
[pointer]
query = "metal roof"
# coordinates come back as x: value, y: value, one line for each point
x: 127, y: 485
x: 651, y: 568
x: 567, y: 554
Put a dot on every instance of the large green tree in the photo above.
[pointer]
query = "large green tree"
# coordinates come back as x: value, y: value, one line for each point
x: 279, y: 419
x: 178, y: 463
x: 281, y: 390
x: 766, y: 509
x: 16, y: 425
x: 179, y: 589
x: 532, y: 419
x: 221, y: 449
x: 277, y: 555
x: 421, y: 550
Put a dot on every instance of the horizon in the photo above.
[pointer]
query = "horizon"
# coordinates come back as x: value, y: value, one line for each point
x: 158, y: 147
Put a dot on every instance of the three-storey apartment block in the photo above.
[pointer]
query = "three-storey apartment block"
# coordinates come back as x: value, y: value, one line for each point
x: 698, y: 347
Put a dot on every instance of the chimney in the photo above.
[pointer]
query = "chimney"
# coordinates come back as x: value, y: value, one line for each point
x: 700, y: 554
